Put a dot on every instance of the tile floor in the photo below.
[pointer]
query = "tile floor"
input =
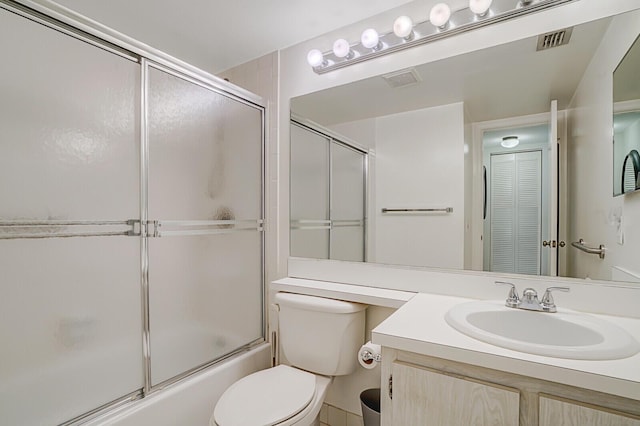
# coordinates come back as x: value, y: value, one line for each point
x: 332, y: 416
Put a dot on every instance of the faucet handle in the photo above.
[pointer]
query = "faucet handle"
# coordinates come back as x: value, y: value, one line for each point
x: 547, y: 303
x: 512, y: 299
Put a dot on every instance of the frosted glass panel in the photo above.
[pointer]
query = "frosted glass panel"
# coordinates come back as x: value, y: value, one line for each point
x: 69, y: 325
x: 347, y: 243
x: 68, y: 127
x: 205, y: 299
x: 347, y: 183
x: 205, y: 153
x: 205, y: 291
x: 312, y: 243
x: 309, y: 193
x: 70, y: 308
x: 347, y: 203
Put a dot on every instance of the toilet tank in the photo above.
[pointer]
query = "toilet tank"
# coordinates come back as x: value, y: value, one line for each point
x: 320, y: 335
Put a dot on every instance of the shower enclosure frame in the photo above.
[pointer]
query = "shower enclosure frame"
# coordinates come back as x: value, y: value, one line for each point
x: 340, y: 140
x: 81, y: 28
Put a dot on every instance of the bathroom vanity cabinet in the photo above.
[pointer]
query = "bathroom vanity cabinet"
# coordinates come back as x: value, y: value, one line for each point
x: 559, y: 411
x: 424, y: 396
x: 423, y: 390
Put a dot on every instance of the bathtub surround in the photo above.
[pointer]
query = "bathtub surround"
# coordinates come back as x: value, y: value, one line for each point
x: 189, y: 402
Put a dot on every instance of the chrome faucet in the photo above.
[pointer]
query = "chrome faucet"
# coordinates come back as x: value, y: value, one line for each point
x: 530, y: 300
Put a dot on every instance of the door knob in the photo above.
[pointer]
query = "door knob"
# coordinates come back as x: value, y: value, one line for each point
x: 546, y: 243
x: 552, y: 243
x: 562, y: 244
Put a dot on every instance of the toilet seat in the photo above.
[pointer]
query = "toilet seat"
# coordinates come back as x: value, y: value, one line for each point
x: 268, y: 397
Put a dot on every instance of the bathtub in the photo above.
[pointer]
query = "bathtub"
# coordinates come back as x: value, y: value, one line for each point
x: 191, y: 401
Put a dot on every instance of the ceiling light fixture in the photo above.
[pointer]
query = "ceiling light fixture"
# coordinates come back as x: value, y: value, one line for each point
x: 510, y: 141
x: 405, y: 34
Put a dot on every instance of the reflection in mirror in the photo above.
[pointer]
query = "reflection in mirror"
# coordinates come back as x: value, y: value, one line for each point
x: 631, y: 172
x: 517, y: 164
x: 434, y: 136
x: 328, y: 187
x: 626, y: 122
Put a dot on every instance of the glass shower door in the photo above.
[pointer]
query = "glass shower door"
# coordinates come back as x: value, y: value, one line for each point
x: 310, y: 222
x: 70, y: 303
x: 347, y: 203
x: 205, y: 208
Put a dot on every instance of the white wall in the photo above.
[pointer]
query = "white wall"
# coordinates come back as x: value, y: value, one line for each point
x: 420, y: 164
x: 590, y: 155
x: 468, y: 191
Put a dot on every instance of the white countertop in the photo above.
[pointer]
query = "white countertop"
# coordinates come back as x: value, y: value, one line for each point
x: 419, y: 326
x: 353, y: 293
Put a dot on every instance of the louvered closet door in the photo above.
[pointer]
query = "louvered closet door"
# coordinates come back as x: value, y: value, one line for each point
x: 516, y: 212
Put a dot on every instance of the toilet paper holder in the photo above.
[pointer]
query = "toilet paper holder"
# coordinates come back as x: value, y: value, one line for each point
x: 367, y: 355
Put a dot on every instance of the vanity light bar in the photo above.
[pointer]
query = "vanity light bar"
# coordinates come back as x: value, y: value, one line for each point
x: 456, y: 22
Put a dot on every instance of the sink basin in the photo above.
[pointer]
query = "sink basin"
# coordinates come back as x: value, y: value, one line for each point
x: 564, y: 334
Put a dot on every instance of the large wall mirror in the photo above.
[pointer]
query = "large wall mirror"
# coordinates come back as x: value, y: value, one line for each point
x: 626, y: 123
x: 464, y: 168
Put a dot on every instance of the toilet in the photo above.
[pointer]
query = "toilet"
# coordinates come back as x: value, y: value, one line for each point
x: 320, y: 339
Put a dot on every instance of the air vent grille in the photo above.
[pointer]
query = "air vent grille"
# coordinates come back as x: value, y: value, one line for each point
x: 402, y: 78
x: 554, y: 39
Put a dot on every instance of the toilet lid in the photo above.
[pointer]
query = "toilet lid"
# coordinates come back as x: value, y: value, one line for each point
x: 267, y: 397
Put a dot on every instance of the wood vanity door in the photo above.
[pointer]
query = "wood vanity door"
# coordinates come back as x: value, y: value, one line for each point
x: 424, y: 397
x: 558, y: 411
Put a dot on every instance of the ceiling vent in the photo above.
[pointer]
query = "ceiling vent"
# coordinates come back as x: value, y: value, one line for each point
x: 402, y: 78
x: 554, y: 39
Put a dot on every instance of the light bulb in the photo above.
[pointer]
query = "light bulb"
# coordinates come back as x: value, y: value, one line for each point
x: 480, y: 7
x: 341, y: 48
x: 370, y: 39
x: 439, y: 15
x: 403, y: 27
x: 315, y: 58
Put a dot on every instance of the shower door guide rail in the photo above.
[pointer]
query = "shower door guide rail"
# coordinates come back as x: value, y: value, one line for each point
x: 33, y: 229
x: 201, y: 227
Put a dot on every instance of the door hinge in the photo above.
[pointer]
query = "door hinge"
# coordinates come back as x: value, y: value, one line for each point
x: 390, y: 387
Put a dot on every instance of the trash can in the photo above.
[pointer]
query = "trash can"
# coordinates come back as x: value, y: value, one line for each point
x: 370, y: 403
